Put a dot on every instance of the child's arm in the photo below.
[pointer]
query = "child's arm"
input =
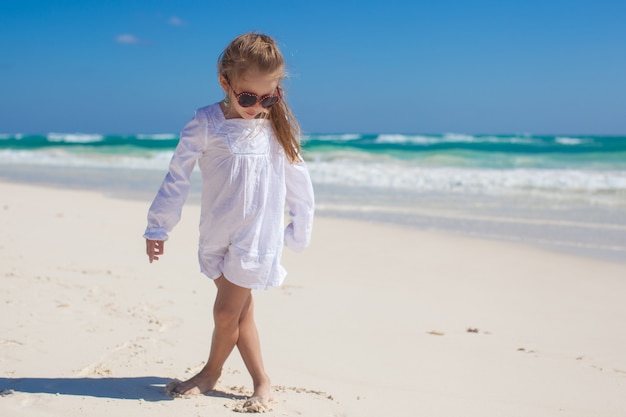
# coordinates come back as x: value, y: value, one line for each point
x: 301, y: 204
x: 167, y: 206
x: 154, y: 248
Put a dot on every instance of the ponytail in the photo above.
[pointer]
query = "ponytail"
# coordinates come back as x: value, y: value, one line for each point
x: 286, y: 129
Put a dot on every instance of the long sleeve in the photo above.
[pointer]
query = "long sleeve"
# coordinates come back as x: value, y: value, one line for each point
x: 166, y: 209
x: 301, y: 204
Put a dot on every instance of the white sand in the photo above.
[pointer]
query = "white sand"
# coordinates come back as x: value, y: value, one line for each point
x: 373, y: 321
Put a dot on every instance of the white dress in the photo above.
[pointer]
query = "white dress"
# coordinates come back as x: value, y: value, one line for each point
x: 246, y: 182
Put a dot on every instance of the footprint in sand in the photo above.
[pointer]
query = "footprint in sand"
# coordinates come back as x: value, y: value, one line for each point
x: 249, y: 405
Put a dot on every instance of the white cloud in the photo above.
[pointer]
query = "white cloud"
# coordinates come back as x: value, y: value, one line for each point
x: 176, y: 21
x: 127, y: 38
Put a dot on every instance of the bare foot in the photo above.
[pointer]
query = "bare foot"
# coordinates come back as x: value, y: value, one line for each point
x: 262, y: 392
x: 260, y: 400
x: 254, y: 405
x: 196, y: 385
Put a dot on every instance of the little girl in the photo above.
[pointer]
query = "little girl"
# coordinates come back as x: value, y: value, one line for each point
x: 248, y: 150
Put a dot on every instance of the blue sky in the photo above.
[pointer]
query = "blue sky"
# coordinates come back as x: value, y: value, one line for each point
x: 141, y: 66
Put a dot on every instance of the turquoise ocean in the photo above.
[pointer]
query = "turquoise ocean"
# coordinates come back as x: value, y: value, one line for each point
x: 565, y: 192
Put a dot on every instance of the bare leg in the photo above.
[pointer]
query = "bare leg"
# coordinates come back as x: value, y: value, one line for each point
x: 230, y: 303
x: 234, y: 325
x: 250, y: 349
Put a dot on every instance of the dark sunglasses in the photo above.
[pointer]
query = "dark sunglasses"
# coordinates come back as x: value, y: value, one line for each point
x: 246, y: 99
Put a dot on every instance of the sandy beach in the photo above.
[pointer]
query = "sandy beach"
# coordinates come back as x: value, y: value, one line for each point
x: 374, y: 320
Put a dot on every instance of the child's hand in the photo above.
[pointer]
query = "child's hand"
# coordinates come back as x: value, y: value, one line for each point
x: 154, y: 248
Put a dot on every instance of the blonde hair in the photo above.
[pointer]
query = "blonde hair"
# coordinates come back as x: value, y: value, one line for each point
x: 254, y: 51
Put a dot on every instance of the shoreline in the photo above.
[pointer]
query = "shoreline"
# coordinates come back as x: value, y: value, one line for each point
x: 373, y: 320
x: 565, y: 226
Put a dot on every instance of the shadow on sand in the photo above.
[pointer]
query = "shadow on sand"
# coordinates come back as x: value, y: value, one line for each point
x: 147, y: 388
